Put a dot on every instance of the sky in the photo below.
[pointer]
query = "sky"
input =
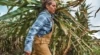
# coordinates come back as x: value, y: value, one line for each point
x: 3, y: 10
x: 93, y: 21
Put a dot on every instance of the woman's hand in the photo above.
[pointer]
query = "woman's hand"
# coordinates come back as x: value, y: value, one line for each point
x: 27, y: 53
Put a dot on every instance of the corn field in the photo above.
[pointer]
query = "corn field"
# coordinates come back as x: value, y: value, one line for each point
x: 71, y: 35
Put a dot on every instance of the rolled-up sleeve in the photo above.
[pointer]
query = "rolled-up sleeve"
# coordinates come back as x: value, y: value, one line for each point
x: 33, y: 31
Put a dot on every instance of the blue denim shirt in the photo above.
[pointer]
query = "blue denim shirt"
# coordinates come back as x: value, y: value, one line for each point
x: 41, y: 26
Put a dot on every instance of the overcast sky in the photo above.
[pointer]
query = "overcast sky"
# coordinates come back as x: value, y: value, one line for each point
x: 93, y: 21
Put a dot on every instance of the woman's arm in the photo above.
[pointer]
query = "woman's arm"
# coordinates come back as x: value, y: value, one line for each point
x: 33, y: 31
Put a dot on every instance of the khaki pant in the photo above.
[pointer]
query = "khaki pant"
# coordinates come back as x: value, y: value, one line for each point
x: 40, y: 45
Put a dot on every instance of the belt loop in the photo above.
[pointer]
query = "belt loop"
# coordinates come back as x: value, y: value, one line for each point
x: 41, y: 40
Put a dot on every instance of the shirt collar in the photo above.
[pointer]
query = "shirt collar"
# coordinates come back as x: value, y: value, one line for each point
x: 47, y: 12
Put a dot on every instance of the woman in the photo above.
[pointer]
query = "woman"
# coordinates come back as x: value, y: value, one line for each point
x: 40, y: 33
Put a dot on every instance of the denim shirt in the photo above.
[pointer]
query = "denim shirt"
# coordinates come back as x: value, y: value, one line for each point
x: 41, y: 26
